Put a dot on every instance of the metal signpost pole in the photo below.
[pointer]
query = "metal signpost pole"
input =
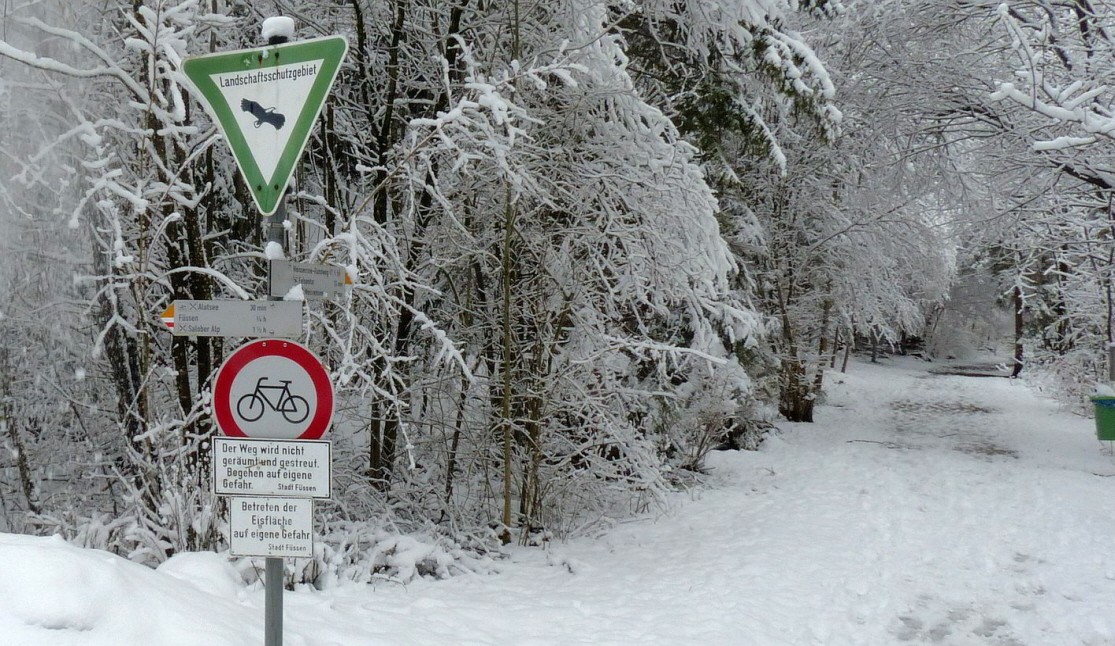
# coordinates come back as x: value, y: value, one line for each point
x: 243, y: 91
x: 273, y: 602
x: 274, y: 570
x: 276, y: 232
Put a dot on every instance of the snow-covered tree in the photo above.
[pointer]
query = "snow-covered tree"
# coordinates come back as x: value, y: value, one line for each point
x: 544, y: 321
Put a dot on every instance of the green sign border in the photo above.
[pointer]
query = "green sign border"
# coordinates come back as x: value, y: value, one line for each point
x: 200, y: 70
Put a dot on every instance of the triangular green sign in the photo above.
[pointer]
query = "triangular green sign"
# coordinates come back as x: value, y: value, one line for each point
x: 266, y: 101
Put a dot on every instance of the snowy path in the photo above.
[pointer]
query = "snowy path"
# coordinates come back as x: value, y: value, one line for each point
x: 918, y: 509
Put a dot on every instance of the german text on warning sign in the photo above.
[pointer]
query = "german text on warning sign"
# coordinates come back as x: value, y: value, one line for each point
x: 271, y: 527
x: 286, y: 468
x: 285, y: 73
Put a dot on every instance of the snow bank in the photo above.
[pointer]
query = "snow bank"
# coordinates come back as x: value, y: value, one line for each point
x: 53, y: 594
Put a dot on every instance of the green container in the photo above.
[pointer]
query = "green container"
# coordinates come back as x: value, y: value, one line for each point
x: 1105, y: 418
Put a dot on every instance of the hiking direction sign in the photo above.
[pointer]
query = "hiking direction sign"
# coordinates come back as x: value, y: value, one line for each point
x: 319, y: 282
x: 265, y: 101
x: 233, y: 318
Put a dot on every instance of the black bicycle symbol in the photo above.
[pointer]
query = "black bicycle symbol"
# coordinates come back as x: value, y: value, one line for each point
x: 294, y: 408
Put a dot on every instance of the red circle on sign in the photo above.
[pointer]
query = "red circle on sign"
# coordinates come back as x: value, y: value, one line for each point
x: 284, y: 402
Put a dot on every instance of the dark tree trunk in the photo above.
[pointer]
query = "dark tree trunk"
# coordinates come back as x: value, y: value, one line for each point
x: 1017, y: 370
x: 795, y: 401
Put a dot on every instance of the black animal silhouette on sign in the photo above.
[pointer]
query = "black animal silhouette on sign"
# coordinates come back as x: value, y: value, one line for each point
x: 263, y: 115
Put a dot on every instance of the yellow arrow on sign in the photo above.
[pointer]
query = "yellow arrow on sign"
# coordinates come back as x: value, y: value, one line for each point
x: 167, y: 316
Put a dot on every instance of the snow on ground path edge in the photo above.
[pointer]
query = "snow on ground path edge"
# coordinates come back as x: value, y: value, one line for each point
x: 920, y: 509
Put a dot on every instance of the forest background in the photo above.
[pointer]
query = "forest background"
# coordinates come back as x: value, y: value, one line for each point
x: 590, y: 242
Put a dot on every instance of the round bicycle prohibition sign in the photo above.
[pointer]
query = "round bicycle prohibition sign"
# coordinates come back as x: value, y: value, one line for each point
x: 273, y: 389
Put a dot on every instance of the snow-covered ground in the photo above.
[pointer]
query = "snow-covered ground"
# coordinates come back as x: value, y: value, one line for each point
x: 918, y: 509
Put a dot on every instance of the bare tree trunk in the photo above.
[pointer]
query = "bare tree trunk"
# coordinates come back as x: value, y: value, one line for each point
x: 506, y: 365
x: 822, y: 349
x: 386, y: 419
x: 1107, y: 274
x: 531, y: 497
x: 455, y: 443
x: 794, y: 402
x: 1018, y: 321
x: 23, y: 464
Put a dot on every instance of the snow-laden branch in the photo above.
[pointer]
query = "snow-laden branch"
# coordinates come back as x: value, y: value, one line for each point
x: 240, y: 292
x: 110, y: 68
x: 1076, y: 104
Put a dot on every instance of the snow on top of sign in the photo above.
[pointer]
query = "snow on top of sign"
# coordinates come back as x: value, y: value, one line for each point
x: 273, y: 251
x: 278, y: 26
x: 295, y: 294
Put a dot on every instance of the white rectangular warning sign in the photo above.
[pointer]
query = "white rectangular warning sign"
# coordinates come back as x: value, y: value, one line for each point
x: 272, y: 527
x: 288, y: 468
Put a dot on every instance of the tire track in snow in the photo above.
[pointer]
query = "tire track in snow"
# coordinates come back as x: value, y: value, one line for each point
x: 986, y: 482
